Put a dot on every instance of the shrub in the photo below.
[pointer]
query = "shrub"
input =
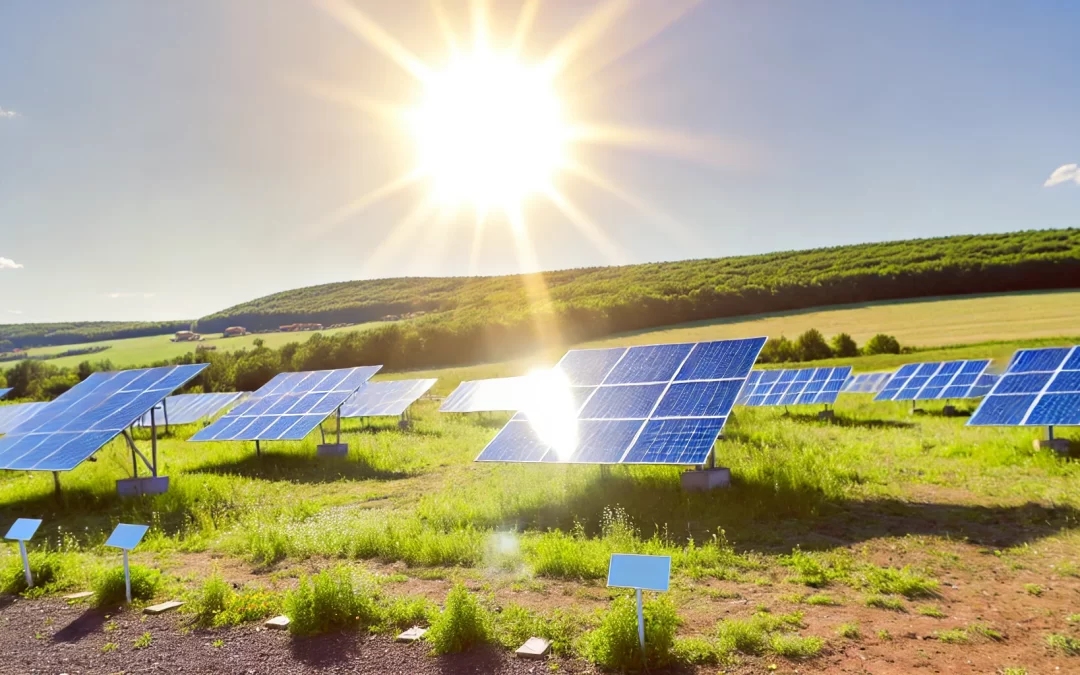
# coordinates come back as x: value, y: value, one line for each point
x: 614, y: 643
x: 811, y: 346
x: 843, y: 346
x: 402, y: 613
x: 697, y: 651
x: 849, y: 630
x: 212, y: 598
x: 881, y: 344
x: 247, y: 605
x: 463, y: 624
x: 109, y: 587
x: 48, y: 568
x: 330, y: 600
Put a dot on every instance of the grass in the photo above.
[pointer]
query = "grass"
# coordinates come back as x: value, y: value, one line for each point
x: 613, y: 644
x: 1065, y: 644
x: 849, y: 630
x: 216, y: 603
x: 905, y: 582
x: 1033, y: 589
x: 885, y: 602
x: 463, y: 624
x: 328, y: 601
x: 110, y: 587
x: 144, y: 641
x: 51, y: 571
x: 930, y: 610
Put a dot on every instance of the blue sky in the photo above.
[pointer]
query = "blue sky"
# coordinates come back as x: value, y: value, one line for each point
x: 160, y: 161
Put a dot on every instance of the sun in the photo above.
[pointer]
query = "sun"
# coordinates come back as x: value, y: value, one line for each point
x: 489, y: 131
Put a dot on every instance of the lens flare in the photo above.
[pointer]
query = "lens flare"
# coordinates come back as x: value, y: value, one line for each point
x: 552, y: 411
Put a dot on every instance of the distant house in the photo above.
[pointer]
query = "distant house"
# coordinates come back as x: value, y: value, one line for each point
x: 235, y: 331
x: 186, y: 336
x: 293, y: 327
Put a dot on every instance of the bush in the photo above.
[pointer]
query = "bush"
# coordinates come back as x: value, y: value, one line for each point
x: 614, y: 643
x: 811, y: 346
x: 109, y: 587
x: 843, y: 346
x: 696, y: 651
x: 778, y: 350
x: 328, y: 601
x: 882, y: 344
x: 463, y: 624
x: 403, y: 613
x: 247, y: 605
x: 47, y: 567
x: 212, y: 599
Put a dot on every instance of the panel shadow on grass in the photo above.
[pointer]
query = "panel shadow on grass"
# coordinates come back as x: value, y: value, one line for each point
x: 300, y: 468
x: 845, y: 422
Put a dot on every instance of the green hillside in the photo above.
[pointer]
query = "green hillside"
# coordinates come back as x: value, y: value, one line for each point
x: 26, y: 335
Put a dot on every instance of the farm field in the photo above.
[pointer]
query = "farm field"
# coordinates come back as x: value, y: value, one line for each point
x: 131, y: 352
x: 884, y: 542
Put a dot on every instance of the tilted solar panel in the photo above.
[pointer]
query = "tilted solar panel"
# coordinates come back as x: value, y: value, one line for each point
x: 62, y: 435
x: 654, y: 404
x: 4, y: 391
x: 1041, y: 387
x: 288, y: 407
x: 866, y: 383
x: 793, y: 387
x: 500, y: 394
x: 934, y: 381
x: 385, y: 398
x: 13, y: 415
x: 190, y: 408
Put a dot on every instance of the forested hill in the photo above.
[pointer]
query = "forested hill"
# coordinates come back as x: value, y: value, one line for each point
x: 597, y: 301
x: 25, y: 335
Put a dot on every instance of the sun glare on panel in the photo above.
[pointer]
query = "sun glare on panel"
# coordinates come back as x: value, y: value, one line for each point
x: 489, y: 132
x: 551, y: 411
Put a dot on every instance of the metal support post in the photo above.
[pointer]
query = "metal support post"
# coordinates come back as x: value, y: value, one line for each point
x: 339, y: 425
x: 26, y: 564
x: 153, y: 444
x: 640, y: 623
x: 127, y: 577
x: 1050, y: 433
x: 164, y: 411
x: 258, y: 450
x: 56, y: 482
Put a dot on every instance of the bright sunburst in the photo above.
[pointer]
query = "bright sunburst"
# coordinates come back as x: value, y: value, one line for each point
x: 489, y: 132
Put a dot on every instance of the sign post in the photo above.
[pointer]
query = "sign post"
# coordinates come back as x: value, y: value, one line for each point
x: 127, y: 537
x: 640, y: 572
x: 23, y: 530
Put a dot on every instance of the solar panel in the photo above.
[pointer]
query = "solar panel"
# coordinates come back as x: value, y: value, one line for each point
x: 500, y: 394
x: 653, y: 404
x: 866, y: 383
x: 1041, y: 387
x: 15, y: 414
x: 288, y: 407
x: 934, y: 381
x: 385, y: 398
x: 793, y: 387
x: 190, y: 408
x: 81, y: 420
x: 4, y: 391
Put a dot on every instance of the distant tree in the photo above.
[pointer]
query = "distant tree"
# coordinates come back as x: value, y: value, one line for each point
x: 882, y: 344
x: 6, y: 346
x: 843, y: 345
x: 811, y: 346
x: 778, y: 350
x: 27, y: 377
x: 255, y: 368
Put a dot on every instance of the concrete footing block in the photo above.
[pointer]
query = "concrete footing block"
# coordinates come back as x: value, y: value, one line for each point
x: 278, y: 622
x: 82, y: 595
x: 1058, y: 445
x: 949, y: 411
x: 163, y: 607
x: 136, y: 487
x: 411, y: 635
x: 706, y: 479
x: 332, y: 450
x: 534, y: 648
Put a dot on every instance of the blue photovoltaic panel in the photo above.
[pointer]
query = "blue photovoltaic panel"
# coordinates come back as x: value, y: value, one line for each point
x: 1041, y: 387
x: 64, y: 433
x: 865, y: 383
x: 385, y: 398
x: 126, y: 536
x: 626, y: 415
x: 500, y: 394
x: 983, y: 385
x: 791, y: 387
x: 647, y: 572
x: 935, y: 381
x: 4, y: 391
x: 288, y: 407
x: 23, y: 529
x: 190, y: 408
x: 13, y: 415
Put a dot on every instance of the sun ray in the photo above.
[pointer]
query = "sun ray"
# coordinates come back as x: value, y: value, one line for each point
x: 357, y: 205
x: 704, y: 149
x: 524, y: 24
x: 480, y: 19
x: 532, y: 279
x: 583, y: 35
x: 388, y: 112
x: 654, y: 213
x: 376, y: 36
x: 586, y: 226
x: 445, y: 28
x: 398, y: 235
x: 477, y: 241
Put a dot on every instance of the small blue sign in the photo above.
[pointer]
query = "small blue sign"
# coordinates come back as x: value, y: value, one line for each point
x: 127, y: 537
x: 23, y: 529
x: 647, y: 572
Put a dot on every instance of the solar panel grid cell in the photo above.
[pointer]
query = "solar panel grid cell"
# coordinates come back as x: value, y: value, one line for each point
x: 933, y: 381
x: 670, y: 421
x: 385, y: 398
x: 501, y: 394
x: 799, y: 386
x: 1040, y: 387
x: 865, y: 383
x: 189, y: 408
x: 13, y: 415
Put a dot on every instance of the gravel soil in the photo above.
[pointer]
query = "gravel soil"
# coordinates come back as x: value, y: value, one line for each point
x: 49, y: 636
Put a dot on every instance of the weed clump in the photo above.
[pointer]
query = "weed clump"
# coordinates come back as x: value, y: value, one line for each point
x: 109, y: 587
x: 48, y: 568
x: 217, y: 604
x: 516, y: 624
x: 614, y: 643
x: 1065, y: 644
x: 328, y: 601
x: 753, y: 636
x: 905, y: 582
x: 849, y: 630
x: 794, y: 647
x: 463, y: 624
x: 885, y: 602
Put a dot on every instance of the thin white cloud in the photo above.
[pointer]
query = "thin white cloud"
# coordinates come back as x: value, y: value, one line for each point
x: 124, y: 296
x: 9, y: 264
x: 14, y: 311
x: 1068, y: 173
x: 7, y: 114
